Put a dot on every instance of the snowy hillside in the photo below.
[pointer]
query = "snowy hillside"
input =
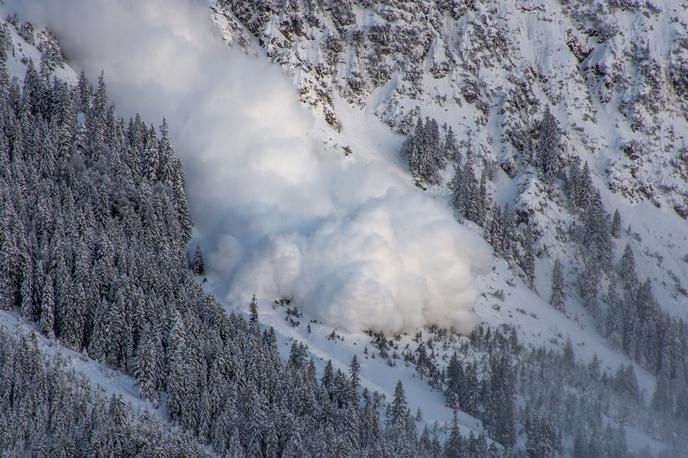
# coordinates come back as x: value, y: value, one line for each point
x: 611, y: 73
x: 613, y: 76
x: 486, y: 201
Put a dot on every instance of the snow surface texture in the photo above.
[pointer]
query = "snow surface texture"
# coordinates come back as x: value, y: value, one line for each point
x: 278, y: 213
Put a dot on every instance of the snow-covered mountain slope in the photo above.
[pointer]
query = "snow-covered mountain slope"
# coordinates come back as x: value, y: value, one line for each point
x: 489, y: 69
x: 110, y: 381
x: 37, y: 45
x: 504, y: 299
x: 612, y: 74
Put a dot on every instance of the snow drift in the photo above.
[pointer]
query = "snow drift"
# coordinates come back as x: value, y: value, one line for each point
x: 277, y: 214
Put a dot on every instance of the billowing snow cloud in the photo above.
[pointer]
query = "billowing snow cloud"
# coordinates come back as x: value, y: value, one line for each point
x: 277, y: 214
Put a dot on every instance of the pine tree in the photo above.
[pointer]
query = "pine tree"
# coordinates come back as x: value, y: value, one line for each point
x: 151, y: 156
x: 494, y: 229
x: 166, y: 170
x: 568, y: 357
x: 455, y: 381
x: 354, y: 380
x: 253, y: 310
x: 682, y: 403
x: 626, y: 269
x: 469, y: 392
x: 453, y: 447
x: 585, y: 187
x: 147, y: 366
x: 179, y: 377
x: 48, y: 308
x: 434, y: 144
x: 33, y: 90
x: 557, y: 298
x: 615, y: 321
x: 458, y: 196
x: 541, y: 438
x: 327, y: 380
x: 398, y: 411
x: 84, y: 92
x: 580, y: 185
x: 594, y: 367
x: 483, y: 200
x: 198, y: 266
x: 661, y: 399
x: 549, y: 146
x: 5, y: 43
x: 470, y: 192
x: 500, y: 407
x: 11, y: 258
x: 596, y: 234
x: 451, y: 149
x: 28, y: 310
x: 588, y: 283
x: 616, y: 224
x: 180, y: 200
x: 294, y: 446
x: 527, y: 259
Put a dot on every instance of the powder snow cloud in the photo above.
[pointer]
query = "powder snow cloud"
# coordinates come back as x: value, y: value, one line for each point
x: 352, y: 242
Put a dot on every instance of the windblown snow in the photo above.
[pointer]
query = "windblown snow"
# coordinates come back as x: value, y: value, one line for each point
x: 278, y: 210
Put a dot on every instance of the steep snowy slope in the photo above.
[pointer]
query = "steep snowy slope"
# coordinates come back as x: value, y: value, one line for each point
x: 613, y: 74
x: 536, y: 322
x: 322, y: 211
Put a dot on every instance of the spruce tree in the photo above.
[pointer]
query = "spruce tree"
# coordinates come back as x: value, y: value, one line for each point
x: 458, y: 197
x: 253, y: 311
x: 626, y: 269
x: 48, y: 308
x: 198, y: 266
x: 354, y: 380
x: 541, y: 438
x: 398, y: 410
x: 451, y: 149
x: 500, y: 403
x: 548, y: 147
x: 615, y: 321
x: 557, y: 298
x: 483, y: 200
x: 471, y: 193
x: 616, y: 224
x: 527, y: 258
x: 147, y: 367
x: 453, y: 447
x: 424, y: 153
x: 588, y: 283
x: 597, y: 241
x: 662, y: 397
x: 455, y: 381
